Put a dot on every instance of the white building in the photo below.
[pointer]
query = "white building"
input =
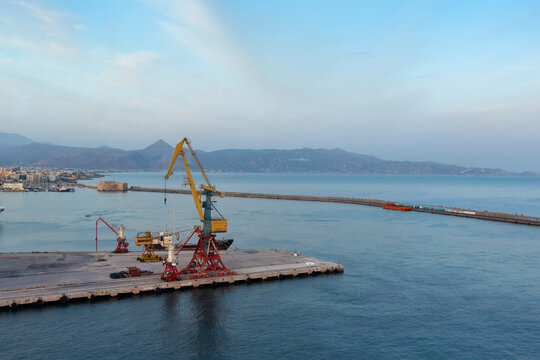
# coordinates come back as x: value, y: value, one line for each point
x: 13, y: 187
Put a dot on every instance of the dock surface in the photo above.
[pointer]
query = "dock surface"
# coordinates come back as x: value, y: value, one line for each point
x: 39, y: 278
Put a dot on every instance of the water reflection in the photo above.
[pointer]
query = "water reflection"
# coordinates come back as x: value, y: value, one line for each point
x: 195, y: 322
x: 209, y: 334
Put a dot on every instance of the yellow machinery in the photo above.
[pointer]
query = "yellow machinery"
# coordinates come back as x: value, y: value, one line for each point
x: 146, y: 239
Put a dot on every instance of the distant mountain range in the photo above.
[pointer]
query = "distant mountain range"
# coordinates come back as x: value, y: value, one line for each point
x: 7, y: 140
x: 16, y: 150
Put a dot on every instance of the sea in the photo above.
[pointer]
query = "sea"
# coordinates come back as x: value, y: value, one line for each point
x: 415, y: 286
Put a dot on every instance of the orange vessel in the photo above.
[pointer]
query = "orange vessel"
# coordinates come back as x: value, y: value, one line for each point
x: 393, y: 206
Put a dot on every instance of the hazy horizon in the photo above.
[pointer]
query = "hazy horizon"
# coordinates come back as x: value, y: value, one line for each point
x: 449, y: 82
x: 143, y: 146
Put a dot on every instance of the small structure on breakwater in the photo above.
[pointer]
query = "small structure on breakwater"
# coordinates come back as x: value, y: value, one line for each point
x: 112, y: 186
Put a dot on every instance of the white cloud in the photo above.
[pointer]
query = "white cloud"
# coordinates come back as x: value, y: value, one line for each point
x: 192, y: 24
x: 19, y: 44
x: 61, y: 50
x: 5, y: 61
x: 136, y: 60
x: 37, y: 30
x: 198, y: 15
x: 47, y: 16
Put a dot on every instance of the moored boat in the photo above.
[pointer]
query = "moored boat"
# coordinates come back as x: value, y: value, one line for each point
x: 393, y: 206
x: 220, y: 244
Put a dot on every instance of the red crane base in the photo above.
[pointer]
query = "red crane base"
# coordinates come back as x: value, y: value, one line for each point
x: 122, y: 247
x: 205, y: 261
x: 170, y: 273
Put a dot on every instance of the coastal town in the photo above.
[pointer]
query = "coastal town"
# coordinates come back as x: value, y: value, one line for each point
x: 27, y: 179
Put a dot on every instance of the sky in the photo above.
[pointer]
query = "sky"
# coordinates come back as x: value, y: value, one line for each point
x: 449, y: 81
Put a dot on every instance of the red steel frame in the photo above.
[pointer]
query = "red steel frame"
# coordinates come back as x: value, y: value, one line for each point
x: 206, y: 260
x: 170, y: 272
x: 122, y: 246
x: 202, y: 262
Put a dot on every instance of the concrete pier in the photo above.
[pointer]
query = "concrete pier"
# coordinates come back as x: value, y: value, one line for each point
x: 40, y: 278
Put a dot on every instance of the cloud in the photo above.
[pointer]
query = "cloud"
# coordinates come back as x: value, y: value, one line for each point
x: 37, y: 30
x: 193, y: 25
x: 47, y: 16
x: 19, y: 44
x: 62, y: 50
x: 199, y: 16
x: 36, y: 47
x: 5, y: 60
x: 134, y: 71
x: 136, y: 60
x: 487, y: 109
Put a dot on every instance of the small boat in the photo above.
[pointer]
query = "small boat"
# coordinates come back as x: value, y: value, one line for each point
x: 393, y: 206
x: 87, y: 215
x: 2, y: 209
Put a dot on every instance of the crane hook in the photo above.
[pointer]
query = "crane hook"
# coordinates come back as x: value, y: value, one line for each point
x: 165, y: 192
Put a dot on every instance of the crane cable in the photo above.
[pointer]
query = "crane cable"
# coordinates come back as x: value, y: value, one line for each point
x: 174, y: 215
x: 214, y: 207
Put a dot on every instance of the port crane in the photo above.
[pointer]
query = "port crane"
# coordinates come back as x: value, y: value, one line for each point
x: 206, y: 260
x: 122, y: 246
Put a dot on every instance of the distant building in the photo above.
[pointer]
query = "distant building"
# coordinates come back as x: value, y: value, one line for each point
x: 112, y: 186
x: 5, y: 172
x: 13, y: 187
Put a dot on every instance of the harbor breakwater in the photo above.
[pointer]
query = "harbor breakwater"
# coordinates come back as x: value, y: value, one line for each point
x: 433, y: 209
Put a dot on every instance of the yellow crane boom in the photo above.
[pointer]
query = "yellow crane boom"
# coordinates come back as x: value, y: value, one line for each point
x: 215, y: 225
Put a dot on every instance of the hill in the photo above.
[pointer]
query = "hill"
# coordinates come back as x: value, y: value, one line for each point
x: 157, y: 157
x: 8, y: 140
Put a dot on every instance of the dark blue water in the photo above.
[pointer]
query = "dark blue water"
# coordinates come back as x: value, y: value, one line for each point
x: 415, y: 285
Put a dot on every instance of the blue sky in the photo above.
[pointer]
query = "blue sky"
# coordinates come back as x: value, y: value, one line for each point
x: 448, y: 81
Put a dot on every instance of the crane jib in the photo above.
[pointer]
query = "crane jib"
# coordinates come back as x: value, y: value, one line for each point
x: 209, y: 225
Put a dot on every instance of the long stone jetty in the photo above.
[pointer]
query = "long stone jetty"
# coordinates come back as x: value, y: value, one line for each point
x: 452, y: 211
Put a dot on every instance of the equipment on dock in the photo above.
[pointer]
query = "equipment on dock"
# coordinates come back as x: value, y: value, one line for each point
x: 132, y: 271
x: 206, y: 260
x: 393, y: 206
x: 122, y: 246
x: 147, y: 239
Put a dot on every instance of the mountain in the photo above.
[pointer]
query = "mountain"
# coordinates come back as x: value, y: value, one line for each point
x: 301, y: 160
x: 8, y: 140
x: 154, y: 157
x: 326, y: 161
x: 157, y: 157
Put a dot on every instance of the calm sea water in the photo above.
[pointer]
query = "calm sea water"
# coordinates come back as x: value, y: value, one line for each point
x: 415, y: 285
